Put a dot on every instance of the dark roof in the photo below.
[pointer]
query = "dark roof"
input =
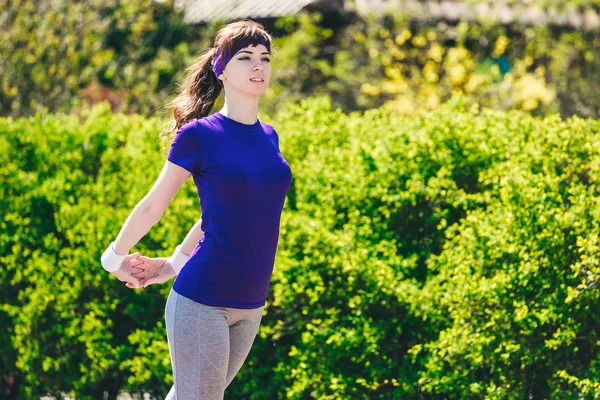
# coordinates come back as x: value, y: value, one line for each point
x: 517, y: 12
x: 207, y: 10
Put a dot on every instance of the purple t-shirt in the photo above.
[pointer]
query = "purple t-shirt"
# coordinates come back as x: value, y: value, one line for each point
x: 242, y: 180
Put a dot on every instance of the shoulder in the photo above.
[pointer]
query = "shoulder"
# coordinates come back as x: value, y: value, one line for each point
x: 195, y: 126
x: 269, y: 130
x: 268, y: 127
x: 196, y: 129
x: 271, y: 133
x: 187, y: 131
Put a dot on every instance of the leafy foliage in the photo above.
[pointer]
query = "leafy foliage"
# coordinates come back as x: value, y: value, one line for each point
x: 450, y: 255
x: 64, y: 55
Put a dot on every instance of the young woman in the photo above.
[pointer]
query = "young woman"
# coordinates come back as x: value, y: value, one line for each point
x: 224, y: 265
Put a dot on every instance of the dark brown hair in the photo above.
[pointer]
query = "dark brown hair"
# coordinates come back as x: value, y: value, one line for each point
x: 201, y: 88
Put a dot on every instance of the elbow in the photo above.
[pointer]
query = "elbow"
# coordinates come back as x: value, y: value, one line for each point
x: 154, y: 211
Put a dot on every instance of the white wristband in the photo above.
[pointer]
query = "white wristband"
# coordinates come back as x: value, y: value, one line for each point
x: 111, y: 261
x: 177, y: 259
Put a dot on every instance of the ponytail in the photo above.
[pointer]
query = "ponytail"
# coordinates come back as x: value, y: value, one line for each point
x: 198, y: 94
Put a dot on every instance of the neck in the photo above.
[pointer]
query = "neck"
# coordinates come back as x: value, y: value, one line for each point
x: 242, y: 109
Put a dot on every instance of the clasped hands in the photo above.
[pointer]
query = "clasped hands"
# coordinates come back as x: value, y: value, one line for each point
x: 140, y: 271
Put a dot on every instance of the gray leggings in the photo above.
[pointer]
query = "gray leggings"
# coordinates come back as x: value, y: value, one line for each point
x: 208, y: 346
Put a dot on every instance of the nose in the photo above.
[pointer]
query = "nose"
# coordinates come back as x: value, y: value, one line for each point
x: 258, y: 67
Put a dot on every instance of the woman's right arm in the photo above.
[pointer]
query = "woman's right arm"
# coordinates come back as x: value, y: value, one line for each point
x: 151, y: 208
x: 146, y: 213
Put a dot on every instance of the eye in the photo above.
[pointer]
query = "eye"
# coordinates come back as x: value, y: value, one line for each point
x: 267, y: 59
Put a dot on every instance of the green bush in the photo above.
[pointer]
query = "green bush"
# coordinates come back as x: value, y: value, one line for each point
x: 513, y: 293
x: 68, y: 184
x: 450, y: 255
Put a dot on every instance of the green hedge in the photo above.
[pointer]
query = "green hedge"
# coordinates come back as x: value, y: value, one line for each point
x: 452, y: 255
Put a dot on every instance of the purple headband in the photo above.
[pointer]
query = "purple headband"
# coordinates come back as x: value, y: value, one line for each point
x: 219, y: 63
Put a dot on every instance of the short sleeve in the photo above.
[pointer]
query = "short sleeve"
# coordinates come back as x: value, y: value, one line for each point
x: 185, y: 149
x: 274, y: 137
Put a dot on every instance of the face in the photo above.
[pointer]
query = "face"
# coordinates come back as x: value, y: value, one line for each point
x: 249, y: 71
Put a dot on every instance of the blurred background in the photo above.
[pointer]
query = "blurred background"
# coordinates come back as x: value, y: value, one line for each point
x: 537, y: 55
x: 440, y: 237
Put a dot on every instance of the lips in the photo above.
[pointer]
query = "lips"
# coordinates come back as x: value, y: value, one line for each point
x: 257, y: 79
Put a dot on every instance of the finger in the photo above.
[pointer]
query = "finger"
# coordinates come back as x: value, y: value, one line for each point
x: 129, y: 285
x: 139, y: 275
x: 135, y: 262
x: 144, y: 258
x: 140, y: 272
x: 138, y: 268
x: 152, y: 281
x: 129, y: 257
x: 135, y: 283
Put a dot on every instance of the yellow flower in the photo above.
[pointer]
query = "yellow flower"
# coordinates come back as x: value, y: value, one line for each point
x: 473, y: 83
x: 458, y: 54
x: 530, y: 90
x: 419, y: 41
x: 393, y: 73
x: 457, y: 73
x: 430, y: 72
x: 394, y: 87
x: 369, y: 89
x: 433, y: 101
x: 500, y: 46
x: 530, y: 104
x: 399, y: 54
x: 403, y: 37
x: 436, y: 52
x: 384, y: 33
x: 540, y: 71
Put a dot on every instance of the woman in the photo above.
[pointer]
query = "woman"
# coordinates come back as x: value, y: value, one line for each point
x: 224, y: 265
